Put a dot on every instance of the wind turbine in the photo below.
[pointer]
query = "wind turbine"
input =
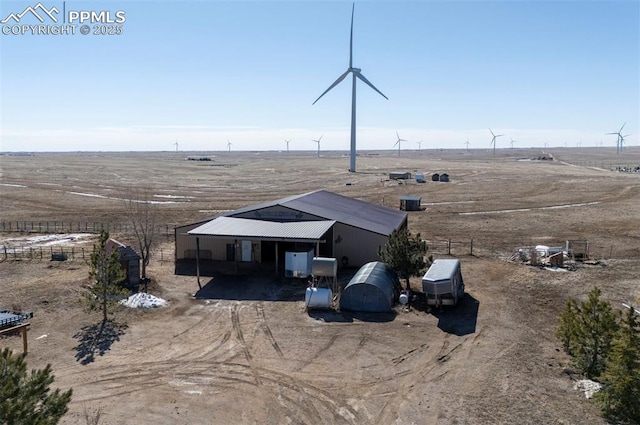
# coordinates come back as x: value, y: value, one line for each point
x: 512, y: 142
x: 287, y: 142
x: 176, y: 144
x: 229, y: 145
x: 398, y: 142
x: 318, y: 142
x: 620, y: 138
x: 419, y: 144
x: 467, y: 143
x: 355, y: 72
x: 493, y: 140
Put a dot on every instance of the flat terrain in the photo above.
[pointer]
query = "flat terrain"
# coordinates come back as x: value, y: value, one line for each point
x: 493, y: 359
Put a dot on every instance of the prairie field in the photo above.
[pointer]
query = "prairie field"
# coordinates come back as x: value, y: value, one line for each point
x: 493, y: 359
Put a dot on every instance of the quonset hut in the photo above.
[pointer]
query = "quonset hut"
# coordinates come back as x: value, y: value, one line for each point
x: 372, y: 289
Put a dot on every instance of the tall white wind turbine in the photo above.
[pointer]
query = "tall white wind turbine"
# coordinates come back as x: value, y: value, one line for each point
x: 287, y: 142
x: 398, y: 142
x: 493, y: 140
x: 229, y: 145
x: 620, y: 138
x: 356, y: 74
x: 318, y: 142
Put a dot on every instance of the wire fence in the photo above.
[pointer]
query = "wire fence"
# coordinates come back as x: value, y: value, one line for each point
x: 61, y: 253
x: 74, y: 226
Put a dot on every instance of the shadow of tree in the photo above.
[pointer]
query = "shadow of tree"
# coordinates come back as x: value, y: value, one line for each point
x: 97, y: 339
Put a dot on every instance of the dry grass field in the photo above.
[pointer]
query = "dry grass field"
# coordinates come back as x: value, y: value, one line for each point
x: 492, y: 360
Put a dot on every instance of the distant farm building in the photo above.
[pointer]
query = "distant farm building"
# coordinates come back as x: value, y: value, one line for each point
x: 373, y: 288
x: 129, y: 262
x: 399, y: 175
x: 329, y: 224
x: 410, y: 203
x: 435, y: 177
x: 444, y: 177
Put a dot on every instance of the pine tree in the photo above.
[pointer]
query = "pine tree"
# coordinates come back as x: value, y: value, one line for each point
x: 595, y: 328
x: 106, y: 274
x: 620, y: 397
x: 25, y: 398
x: 404, y: 254
x: 567, y: 330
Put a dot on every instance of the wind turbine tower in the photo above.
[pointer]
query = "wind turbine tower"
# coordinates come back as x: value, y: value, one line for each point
x: 513, y: 142
x: 467, y: 143
x: 355, y: 72
x: 419, y: 144
x: 493, y: 140
x: 398, y: 142
x: 287, y: 142
x: 176, y: 145
x: 229, y: 145
x: 318, y: 142
x: 620, y: 138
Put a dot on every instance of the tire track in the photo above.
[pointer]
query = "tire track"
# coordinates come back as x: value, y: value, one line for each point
x: 235, y: 321
x: 323, y: 349
x: 265, y: 328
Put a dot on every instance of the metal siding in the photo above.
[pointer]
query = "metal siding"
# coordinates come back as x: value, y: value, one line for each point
x: 184, y: 241
x: 359, y: 246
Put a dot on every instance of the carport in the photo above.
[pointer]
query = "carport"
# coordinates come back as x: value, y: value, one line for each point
x: 243, y: 232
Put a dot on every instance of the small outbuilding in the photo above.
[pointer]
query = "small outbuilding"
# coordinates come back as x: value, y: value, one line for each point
x: 410, y: 203
x: 444, y: 177
x: 399, y: 175
x: 129, y: 261
x: 372, y: 289
x: 442, y: 284
x: 435, y: 177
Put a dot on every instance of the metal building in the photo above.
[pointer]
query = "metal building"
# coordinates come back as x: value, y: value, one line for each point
x: 333, y: 225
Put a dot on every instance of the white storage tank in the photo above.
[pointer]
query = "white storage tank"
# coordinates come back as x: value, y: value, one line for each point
x: 318, y: 298
x: 324, y: 267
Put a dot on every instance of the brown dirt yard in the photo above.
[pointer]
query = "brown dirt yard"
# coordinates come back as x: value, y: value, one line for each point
x: 492, y: 360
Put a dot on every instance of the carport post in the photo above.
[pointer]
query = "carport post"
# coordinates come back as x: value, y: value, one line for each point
x: 276, y: 258
x: 198, y: 261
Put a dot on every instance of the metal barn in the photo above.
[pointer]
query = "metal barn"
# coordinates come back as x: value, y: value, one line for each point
x: 333, y: 225
x: 410, y: 203
x: 372, y: 289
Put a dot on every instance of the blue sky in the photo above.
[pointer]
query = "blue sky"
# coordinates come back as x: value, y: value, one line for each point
x: 555, y: 73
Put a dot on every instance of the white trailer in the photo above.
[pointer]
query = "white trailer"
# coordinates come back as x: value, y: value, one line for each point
x: 442, y: 284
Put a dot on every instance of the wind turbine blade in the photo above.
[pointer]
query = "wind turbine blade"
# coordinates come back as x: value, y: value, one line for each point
x: 620, y: 131
x: 362, y: 77
x: 353, y: 8
x: 396, y: 143
x: 320, y: 138
x: 492, y: 133
x: 499, y: 135
x: 335, y: 83
x: 397, y: 135
x: 610, y: 133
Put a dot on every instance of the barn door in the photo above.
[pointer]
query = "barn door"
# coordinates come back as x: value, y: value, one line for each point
x: 246, y: 251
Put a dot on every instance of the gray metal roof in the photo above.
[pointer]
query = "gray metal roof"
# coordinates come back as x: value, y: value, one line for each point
x: 230, y: 227
x: 332, y: 206
x: 441, y: 269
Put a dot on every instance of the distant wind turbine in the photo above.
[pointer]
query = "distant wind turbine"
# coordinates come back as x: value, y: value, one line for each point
x: 287, y: 142
x: 620, y: 138
x: 355, y: 72
x: 398, y: 142
x: 318, y: 142
x: 229, y: 145
x: 512, y: 142
x: 176, y: 144
x: 419, y: 144
x: 493, y: 140
x: 467, y: 143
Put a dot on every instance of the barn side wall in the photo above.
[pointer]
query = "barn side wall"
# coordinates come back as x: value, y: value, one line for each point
x: 357, y: 245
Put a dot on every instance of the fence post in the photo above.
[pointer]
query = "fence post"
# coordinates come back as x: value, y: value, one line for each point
x: 448, y: 246
x: 471, y: 253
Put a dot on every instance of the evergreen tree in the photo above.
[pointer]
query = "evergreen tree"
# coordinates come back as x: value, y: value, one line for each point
x: 25, y: 398
x: 596, y: 327
x: 567, y: 330
x: 106, y: 274
x: 620, y: 397
x: 404, y: 254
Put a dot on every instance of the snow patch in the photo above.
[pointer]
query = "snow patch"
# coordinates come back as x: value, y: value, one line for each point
x: 588, y: 386
x: 143, y: 300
